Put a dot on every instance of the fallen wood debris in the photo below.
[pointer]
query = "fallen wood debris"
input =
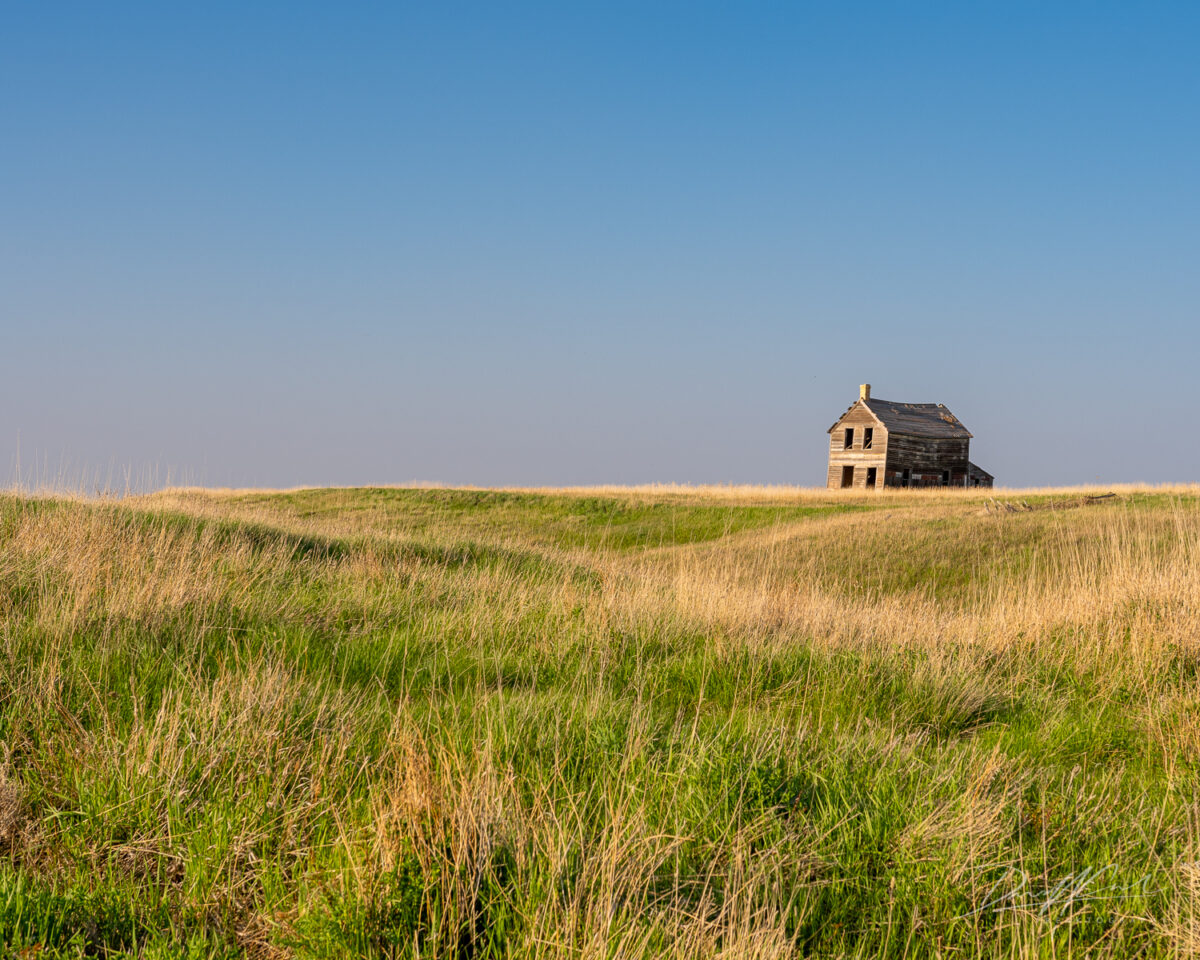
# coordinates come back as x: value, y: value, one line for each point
x: 992, y: 505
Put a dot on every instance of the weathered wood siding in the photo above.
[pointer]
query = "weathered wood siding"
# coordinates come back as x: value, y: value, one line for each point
x: 926, y: 460
x: 859, y: 418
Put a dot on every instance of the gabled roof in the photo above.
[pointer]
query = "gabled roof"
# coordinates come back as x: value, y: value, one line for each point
x: 913, y: 419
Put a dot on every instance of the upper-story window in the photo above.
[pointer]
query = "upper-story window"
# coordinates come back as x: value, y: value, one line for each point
x: 848, y: 440
x: 868, y: 437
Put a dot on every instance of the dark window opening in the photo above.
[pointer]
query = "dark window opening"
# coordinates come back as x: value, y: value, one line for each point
x: 945, y: 478
x: 871, y: 478
x: 848, y: 440
x: 905, y: 477
x: 868, y: 436
x: 847, y: 476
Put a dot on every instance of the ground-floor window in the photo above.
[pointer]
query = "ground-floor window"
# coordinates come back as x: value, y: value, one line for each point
x: 847, y: 476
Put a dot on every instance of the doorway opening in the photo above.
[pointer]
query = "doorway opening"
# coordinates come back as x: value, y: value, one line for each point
x: 871, y: 477
x: 847, y: 476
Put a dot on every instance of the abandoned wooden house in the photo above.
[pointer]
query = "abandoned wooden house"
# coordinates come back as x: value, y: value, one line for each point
x: 881, y: 443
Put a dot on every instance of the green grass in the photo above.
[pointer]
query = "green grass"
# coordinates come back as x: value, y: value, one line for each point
x: 589, y: 522
x: 478, y: 724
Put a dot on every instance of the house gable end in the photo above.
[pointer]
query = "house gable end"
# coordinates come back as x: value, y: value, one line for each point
x: 858, y: 405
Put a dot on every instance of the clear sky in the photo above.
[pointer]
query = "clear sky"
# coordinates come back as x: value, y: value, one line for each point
x: 284, y: 244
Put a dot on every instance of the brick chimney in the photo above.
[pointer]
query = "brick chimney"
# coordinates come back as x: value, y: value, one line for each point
x: 864, y: 391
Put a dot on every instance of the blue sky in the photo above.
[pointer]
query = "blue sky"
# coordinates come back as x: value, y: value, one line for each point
x: 574, y: 243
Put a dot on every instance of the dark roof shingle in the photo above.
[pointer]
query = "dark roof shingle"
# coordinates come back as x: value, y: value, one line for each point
x: 916, y: 419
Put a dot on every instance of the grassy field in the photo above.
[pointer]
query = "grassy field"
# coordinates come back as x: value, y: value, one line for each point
x: 601, y: 723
